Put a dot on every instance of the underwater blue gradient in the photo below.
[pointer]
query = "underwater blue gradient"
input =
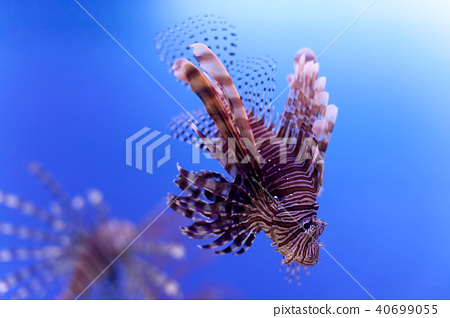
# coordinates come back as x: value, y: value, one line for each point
x: 70, y: 96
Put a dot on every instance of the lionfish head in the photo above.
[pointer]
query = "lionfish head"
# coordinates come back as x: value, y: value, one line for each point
x: 299, y: 242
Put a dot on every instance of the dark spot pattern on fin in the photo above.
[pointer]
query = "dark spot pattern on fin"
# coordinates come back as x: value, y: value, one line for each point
x: 182, y: 130
x: 255, y: 80
x: 214, y: 32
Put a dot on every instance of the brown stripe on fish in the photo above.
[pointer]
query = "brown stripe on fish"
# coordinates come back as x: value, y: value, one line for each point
x: 216, y: 69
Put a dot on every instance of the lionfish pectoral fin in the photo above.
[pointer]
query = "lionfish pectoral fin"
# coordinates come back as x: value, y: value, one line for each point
x: 182, y: 129
x: 216, y: 150
x: 229, y: 217
x: 172, y: 43
x: 225, y: 238
x: 211, y: 63
x: 174, y: 205
x: 247, y: 243
x: 221, y: 225
x: 204, y: 89
x: 223, y: 189
x: 236, y: 244
x: 233, y: 125
x: 177, y: 69
x: 255, y: 81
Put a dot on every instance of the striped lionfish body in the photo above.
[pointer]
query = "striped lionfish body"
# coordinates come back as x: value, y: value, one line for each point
x: 73, y: 249
x: 276, y: 168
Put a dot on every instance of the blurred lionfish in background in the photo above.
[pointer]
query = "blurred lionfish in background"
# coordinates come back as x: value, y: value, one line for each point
x: 72, y: 244
x: 276, y: 165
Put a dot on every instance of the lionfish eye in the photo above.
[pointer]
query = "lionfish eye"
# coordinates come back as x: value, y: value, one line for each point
x: 306, y: 226
x: 277, y: 195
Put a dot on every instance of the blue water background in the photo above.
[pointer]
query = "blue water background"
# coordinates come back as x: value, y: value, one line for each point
x: 70, y: 96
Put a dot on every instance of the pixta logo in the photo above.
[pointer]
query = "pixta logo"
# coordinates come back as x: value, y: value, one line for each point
x: 143, y: 144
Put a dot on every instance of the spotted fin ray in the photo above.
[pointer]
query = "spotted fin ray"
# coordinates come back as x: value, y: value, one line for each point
x: 254, y: 77
x: 182, y: 130
x: 215, y: 32
x: 255, y: 81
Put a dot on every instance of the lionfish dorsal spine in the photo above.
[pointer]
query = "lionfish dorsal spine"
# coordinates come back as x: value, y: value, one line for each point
x: 210, y: 62
x: 241, y: 148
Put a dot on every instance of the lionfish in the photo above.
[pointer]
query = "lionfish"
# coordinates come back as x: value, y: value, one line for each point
x: 276, y: 167
x: 74, y: 244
